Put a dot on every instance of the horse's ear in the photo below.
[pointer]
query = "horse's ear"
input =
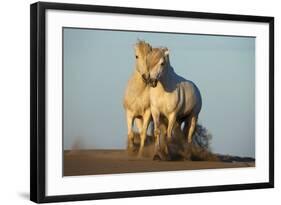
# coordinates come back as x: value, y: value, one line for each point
x: 135, y: 47
x: 166, y: 52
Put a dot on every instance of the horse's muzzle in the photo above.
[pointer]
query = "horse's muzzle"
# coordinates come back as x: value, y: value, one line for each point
x: 145, y: 78
x: 153, y: 82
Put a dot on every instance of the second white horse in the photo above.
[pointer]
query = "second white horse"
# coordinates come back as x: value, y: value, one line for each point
x: 171, y: 96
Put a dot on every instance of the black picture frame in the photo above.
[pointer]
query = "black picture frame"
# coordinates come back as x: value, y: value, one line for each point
x: 38, y: 103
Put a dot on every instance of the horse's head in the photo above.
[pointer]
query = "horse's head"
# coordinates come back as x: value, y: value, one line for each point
x: 157, y: 61
x: 142, y: 49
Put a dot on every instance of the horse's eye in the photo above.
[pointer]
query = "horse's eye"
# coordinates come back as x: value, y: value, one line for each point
x: 137, y: 57
x: 162, y: 63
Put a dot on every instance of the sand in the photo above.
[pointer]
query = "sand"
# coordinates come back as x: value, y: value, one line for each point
x: 92, y: 162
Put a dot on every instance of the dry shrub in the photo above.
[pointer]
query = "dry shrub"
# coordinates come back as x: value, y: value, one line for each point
x: 199, y: 150
x: 197, y: 153
x: 202, y: 137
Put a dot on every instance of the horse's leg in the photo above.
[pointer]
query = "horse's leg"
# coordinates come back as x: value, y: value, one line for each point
x: 187, y: 147
x: 143, y: 133
x: 138, y: 122
x: 151, y: 130
x: 171, y: 123
x: 130, y: 119
x: 186, y: 128
x: 156, y: 121
x: 192, y: 127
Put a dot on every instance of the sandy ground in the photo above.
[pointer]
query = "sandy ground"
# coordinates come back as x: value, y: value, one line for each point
x: 91, y: 162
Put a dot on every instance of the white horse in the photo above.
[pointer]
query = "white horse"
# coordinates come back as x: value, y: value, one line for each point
x: 136, y: 100
x: 171, y: 96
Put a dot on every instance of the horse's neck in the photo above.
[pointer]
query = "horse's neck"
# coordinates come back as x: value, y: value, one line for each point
x: 136, y: 91
x: 137, y: 82
x: 170, y: 71
x: 168, y: 74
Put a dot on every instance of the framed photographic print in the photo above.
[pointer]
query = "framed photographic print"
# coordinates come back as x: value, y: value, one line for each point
x: 129, y: 102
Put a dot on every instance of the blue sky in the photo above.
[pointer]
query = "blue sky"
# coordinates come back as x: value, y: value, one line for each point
x: 98, y: 64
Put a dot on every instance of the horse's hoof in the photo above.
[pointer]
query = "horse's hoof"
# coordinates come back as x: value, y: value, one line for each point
x: 169, y: 158
x: 132, y: 151
x: 156, y: 157
x: 140, y: 155
x: 132, y: 147
x: 159, y: 156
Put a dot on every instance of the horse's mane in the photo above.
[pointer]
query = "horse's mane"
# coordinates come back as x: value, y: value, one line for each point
x: 143, y: 47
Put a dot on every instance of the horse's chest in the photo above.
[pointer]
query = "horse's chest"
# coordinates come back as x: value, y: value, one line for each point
x: 165, y: 102
x: 140, y: 103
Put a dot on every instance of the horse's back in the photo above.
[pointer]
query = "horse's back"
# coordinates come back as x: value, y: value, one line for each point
x: 190, y: 95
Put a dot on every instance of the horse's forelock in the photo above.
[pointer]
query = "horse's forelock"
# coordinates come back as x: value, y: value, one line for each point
x: 154, y: 57
x: 143, y: 47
